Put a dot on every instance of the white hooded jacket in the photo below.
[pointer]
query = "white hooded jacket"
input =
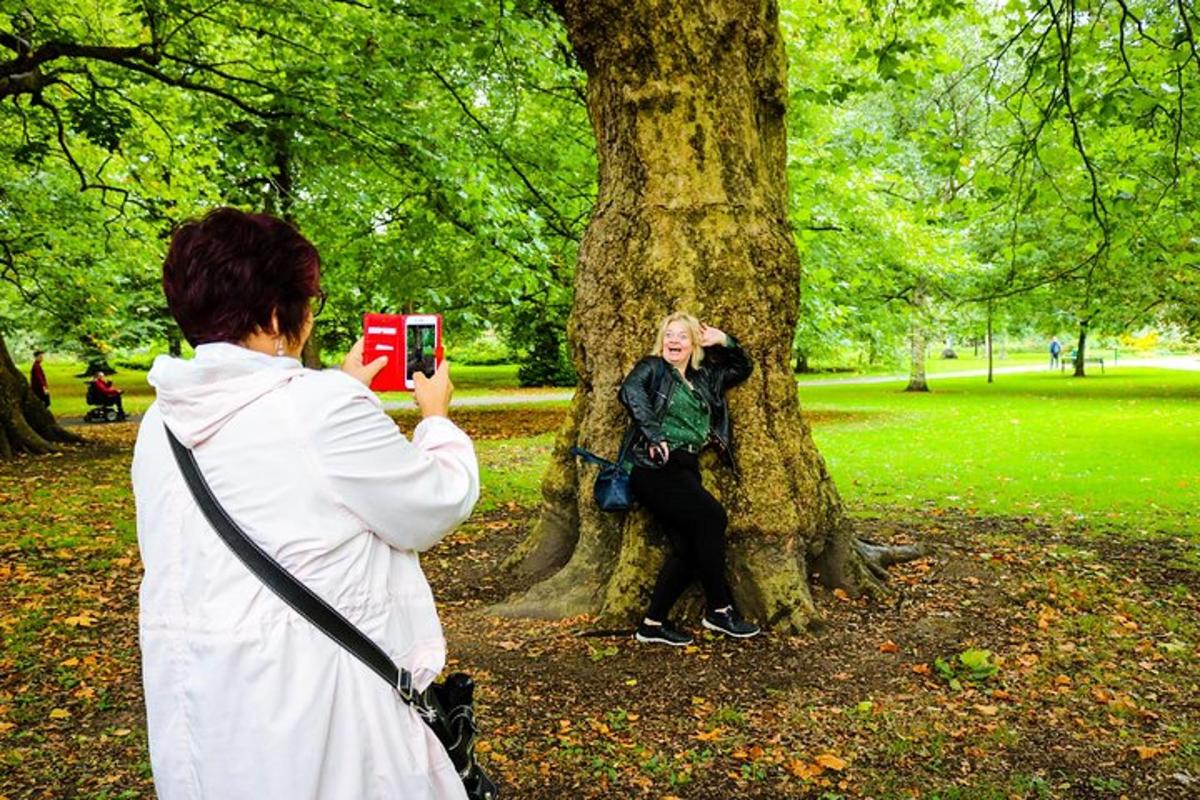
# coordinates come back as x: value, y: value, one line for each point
x: 244, y: 697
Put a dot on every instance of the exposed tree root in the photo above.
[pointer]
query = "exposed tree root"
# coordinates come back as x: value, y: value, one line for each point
x: 878, y: 557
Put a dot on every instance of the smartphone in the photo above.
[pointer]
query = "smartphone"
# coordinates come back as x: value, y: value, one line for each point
x: 422, y: 346
x: 383, y: 335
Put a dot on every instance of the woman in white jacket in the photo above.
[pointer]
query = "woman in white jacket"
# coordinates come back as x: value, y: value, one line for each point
x: 244, y: 697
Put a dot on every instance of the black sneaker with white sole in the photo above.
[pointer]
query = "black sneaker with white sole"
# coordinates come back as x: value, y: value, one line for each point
x: 730, y: 623
x: 666, y: 633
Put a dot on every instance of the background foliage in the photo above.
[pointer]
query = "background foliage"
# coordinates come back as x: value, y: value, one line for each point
x: 948, y: 159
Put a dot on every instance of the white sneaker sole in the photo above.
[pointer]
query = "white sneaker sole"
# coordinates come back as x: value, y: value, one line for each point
x: 655, y: 640
x: 718, y: 629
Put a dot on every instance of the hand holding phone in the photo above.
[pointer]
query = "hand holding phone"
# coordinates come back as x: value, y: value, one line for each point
x: 432, y: 395
x: 412, y: 344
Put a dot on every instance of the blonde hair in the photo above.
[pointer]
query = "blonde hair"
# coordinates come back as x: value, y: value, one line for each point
x: 693, y: 329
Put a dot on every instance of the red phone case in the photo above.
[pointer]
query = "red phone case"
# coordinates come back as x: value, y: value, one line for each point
x: 383, y: 335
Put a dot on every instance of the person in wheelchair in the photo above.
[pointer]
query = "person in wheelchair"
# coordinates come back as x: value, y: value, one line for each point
x: 103, y: 394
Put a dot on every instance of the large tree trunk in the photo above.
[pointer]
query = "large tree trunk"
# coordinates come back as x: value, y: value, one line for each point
x: 687, y: 103
x: 26, y: 426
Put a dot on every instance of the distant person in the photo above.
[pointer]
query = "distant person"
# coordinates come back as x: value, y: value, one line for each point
x: 37, y: 379
x: 676, y: 398
x: 1055, y: 353
x: 103, y: 393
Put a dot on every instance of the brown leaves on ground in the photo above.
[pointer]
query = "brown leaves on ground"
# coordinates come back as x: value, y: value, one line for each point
x: 488, y: 424
x: 1018, y: 661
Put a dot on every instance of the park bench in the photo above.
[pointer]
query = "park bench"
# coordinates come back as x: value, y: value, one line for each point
x: 1069, y: 358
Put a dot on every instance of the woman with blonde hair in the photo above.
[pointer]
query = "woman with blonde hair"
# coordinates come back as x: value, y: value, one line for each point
x: 676, y: 397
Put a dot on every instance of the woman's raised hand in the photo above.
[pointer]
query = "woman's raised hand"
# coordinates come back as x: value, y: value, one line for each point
x: 710, y: 336
x: 353, y: 364
x: 432, y: 395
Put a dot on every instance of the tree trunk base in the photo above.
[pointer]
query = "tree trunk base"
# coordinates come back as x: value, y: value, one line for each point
x: 916, y: 387
x: 26, y: 425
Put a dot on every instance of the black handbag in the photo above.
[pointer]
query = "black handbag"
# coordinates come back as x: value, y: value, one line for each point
x: 447, y: 707
x: 612, y: 489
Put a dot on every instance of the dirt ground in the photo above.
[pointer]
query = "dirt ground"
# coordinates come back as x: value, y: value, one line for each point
x: 1015, y: 661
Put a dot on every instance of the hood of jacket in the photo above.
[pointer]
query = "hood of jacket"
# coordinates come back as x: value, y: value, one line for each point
x: 197, y: 397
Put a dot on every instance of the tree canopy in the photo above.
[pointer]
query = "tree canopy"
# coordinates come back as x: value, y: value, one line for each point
x: 1039, y: 156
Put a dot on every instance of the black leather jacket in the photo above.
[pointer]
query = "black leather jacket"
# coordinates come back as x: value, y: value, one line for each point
x: 646, y: 394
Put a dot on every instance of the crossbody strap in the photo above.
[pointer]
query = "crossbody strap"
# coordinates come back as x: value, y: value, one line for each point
x: 283, y: 583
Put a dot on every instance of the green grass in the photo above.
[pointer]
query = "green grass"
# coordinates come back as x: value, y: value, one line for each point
x: 1120, y: 448
x: 510, y: 471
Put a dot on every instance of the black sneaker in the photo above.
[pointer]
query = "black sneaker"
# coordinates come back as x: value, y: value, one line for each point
x: 730, y: 623
x: 666, y: 633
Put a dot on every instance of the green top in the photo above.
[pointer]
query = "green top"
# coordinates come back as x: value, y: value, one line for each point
x: 687, y: 421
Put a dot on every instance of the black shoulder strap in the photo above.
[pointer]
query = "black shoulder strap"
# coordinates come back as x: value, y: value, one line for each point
x: 283, y: 583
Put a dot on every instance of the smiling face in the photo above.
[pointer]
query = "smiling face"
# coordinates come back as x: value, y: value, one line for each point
x: 677, y: 345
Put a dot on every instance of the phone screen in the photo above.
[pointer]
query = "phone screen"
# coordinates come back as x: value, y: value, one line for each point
x: 422, y: 350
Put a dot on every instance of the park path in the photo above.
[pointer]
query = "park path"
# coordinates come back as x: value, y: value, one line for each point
x: 1185, y: 363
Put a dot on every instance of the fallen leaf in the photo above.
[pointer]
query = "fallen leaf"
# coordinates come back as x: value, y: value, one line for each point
x: 803, y: 769
x: 60, y: 713
x: 889, y: 647
x: 830, y: 761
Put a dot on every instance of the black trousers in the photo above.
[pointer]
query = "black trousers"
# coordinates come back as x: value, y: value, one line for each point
x: 694, y: 523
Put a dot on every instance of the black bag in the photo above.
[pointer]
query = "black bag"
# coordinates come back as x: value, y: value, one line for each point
x: 447, y: 708
x: 612, y: 489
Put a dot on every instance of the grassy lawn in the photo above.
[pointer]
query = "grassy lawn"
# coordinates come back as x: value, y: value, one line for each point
x: 1120, y: 449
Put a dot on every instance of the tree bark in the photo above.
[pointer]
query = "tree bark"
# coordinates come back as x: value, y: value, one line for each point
x: 26, y: 426
x: 917, y: 346
x: 1079, y: 351
x: 687, y: 102
x: 991, y: 364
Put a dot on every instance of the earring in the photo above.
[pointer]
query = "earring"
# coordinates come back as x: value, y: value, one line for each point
x: 279, y: 347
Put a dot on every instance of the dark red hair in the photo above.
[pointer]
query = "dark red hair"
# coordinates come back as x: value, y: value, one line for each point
x: 224, y: 275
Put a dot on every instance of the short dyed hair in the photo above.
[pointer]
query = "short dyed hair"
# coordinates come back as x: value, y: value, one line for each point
x: 693, y: 329
x: 226, y: 273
